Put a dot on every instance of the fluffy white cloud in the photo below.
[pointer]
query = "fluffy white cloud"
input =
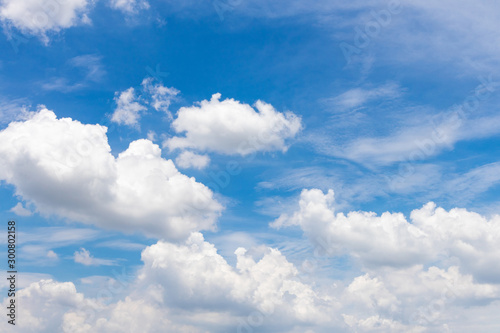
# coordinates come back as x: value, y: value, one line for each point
x: 189, y: 287
x: 188, y: 159
x: 44, y: 304
x: 203, y: 278
x: 41, y: 16
x: 174, y: 279
x: 128, y: 108
x: 49, y: 306
x: 64, y: 167
x: 230, y: 127
x: 131, y: 104
x: 432, y: 235
x: 160, y: 96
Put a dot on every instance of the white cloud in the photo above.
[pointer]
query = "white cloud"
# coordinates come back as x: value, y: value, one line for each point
x: 50, y: 306
x: 122, y: 245
x: 357, y: 97
x: 204, y: 279
x: 39, y: 16
x: 475, y: 181
x: 129, y: 6
x: 432, y: 235
x: 11, y: 110
x: 83, y: 257
x: 161, y: 96
x: 128, y: 108
x: 416, y: 139
x: 130, y: 105
x: 91, y: 65
x: 37, y: 316
x: 52, y: 255
x: 151, y: 136
x: 188, y: 159
x: 20, y: 210
x: 230, y: 127
x: 59, y: 236
x: 64, y: 167
x: 189, y: 287
x: 411, y: 143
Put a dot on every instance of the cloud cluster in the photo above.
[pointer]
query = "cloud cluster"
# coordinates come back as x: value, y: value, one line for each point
x: 432, y: 235
x: 66, y: 168
x: 204, y: 279
x: 130, y: 105
x: 128, y: 109
x: 230, y: 127
x: 189, y: 287
x: 173, y: 280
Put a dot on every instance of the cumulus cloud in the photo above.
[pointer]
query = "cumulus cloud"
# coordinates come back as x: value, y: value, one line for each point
x: 203, y: 278
x: 128, y: 108
x: 188, y: 159
x: 130, y: 104
x: 230, y: 127
x: 39, y: 17
x: 189, y: 287
x: 432, y: 235
x: 37, y: 316
x: 173, y: 280
x: 65, y: 167
x: 51, y: 306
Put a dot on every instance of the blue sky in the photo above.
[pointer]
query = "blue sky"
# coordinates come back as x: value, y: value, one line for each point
x: 157, y: 138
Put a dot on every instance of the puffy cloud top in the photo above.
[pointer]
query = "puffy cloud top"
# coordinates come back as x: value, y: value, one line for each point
x: 432, y: 234
x: 65, y: 167
x: 230, y: 127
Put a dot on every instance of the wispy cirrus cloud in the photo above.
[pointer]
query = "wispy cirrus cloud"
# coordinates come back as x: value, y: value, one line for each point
x: 84, y: 257
x: 88, y: 69
x: 358, y: 97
